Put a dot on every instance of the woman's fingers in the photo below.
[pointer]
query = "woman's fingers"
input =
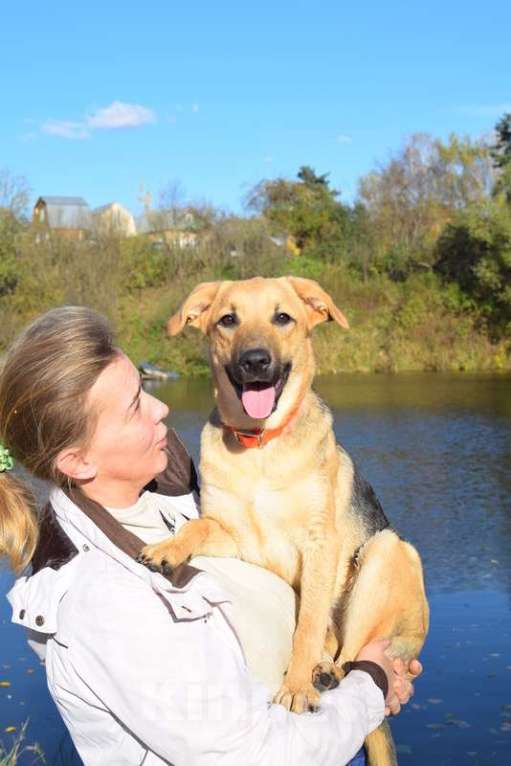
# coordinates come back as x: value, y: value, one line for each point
x: 398, y: 665
x: 402, y: 684
x: 412, y: 669
x: 392, y: 706
x: 400, y: 673
x: 415, y: 668
x: 403, y: 689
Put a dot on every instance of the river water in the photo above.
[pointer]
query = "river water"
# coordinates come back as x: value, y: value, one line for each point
x: 437, y: 450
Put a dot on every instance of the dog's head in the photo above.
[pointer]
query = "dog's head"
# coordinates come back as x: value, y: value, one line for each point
x: 259, y: 335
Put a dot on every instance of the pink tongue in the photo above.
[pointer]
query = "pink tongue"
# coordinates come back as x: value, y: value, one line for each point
x: 258, y: 404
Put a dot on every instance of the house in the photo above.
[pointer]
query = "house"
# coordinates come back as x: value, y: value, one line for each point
x: 70, y: 216
x: 288, y: 242
x: 170, y: 227
x: 114, y: 219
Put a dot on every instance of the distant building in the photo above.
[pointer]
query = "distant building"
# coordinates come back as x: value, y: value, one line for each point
x: 114, y: 219
x: 288, y: 242
x: 172, y: 227
x: 70, y: 216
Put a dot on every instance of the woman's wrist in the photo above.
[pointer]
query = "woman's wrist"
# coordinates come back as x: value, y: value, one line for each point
x: 376, y: 672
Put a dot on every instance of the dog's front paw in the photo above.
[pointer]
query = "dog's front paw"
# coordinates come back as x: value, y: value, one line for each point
x: 326, y: 675
x: 299, y: 698
x: 162, y: 557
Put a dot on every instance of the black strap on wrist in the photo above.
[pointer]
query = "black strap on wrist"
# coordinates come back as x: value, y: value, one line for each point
x: 375, y: 671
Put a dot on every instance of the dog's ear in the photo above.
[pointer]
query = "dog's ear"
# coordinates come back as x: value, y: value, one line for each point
x: 194, y: 309
x: 320, y: 306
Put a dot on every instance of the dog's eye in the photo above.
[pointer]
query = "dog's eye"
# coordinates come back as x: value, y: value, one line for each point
x: 282, y: 318
x: 228, y: 320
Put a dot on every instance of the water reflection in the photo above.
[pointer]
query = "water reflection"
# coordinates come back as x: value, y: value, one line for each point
x: 420, y: 391
x: 444, y: 482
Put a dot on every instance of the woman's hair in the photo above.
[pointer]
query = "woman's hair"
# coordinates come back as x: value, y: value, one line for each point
x: 44, y: 381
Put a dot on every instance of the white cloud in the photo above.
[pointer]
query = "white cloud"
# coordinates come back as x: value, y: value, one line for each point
x: 116, y: 116
x: 343, y: 138
x: 120, y: 115
x: 195, y: 108
x: 66, y: 129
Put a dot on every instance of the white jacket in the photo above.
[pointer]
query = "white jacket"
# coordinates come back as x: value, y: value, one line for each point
x: 144, y: 672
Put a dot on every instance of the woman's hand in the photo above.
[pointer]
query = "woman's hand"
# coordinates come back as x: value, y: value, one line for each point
x: 400, y: 674
x: 404, y: 675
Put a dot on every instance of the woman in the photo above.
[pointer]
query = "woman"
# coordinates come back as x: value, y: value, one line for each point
x: 144, y: 668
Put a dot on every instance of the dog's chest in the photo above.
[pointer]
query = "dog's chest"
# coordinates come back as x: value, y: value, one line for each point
x: 277, y: 536
x: 268, y: 522
x: 272, y: 511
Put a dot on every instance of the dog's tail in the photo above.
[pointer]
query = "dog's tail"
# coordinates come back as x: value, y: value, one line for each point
x: 380, y: 747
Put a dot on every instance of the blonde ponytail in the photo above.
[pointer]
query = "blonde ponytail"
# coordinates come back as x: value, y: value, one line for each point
x: 18, y: 522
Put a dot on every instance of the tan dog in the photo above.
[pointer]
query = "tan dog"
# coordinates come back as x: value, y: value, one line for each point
x: 278, y: 492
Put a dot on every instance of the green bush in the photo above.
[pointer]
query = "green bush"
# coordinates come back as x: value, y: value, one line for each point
x: 10, y: 229
x: 475, y: 252
x: 144, y: 263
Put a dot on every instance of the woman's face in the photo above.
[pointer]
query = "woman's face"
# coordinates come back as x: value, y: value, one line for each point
x: 128, y: 445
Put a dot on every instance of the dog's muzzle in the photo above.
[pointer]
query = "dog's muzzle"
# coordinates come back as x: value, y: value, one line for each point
x: 255, y: 365
x: 258, y: 380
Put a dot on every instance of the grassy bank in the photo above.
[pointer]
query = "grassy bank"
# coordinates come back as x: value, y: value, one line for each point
x: 420, y: 262
x: 412, y: 326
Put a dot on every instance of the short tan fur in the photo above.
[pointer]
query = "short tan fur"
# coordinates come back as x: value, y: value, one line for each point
x: 290, y: 505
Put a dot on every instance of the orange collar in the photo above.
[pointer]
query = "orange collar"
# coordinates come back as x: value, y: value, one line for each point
x: 260, y: 436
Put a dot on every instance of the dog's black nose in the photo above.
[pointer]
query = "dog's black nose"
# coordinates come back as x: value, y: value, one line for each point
x: 255, y: 361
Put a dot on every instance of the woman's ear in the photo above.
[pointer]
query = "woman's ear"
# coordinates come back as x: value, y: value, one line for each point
x: 73, y: 462
x: 194, y: 310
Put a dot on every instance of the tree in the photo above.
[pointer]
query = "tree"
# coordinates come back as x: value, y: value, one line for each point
x: 413, y: 196
x: 14, y: 193
x: 501, y: 151
x: 307, y: 209
x: 475, y: 251
x: 14, y: 197
x: 309, y: 177
x: 501, y: 154
x: 175, y: 211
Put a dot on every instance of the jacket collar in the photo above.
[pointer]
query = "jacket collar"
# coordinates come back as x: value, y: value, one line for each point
x: 35, y: 599
x: 55, y: 548
x: 70, y: 527
x: 79, y: 515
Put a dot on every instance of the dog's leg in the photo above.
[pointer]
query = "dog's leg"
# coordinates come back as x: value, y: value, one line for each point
x: 316, y: 595
x: 327, y: 674
x: 198, y: 536
x: 387, y: 600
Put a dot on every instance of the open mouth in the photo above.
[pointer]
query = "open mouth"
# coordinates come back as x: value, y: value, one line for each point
x: 260, y: 398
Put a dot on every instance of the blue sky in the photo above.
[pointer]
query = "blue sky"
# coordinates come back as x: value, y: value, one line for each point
x: 100, y: 97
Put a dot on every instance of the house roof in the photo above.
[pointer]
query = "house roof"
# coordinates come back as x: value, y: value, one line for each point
x: 112, y: 206
x: 66, y: 212
x: 63, y: 201
x: 101, y: 208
